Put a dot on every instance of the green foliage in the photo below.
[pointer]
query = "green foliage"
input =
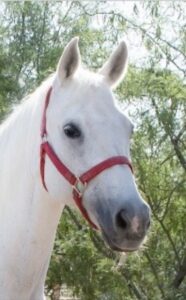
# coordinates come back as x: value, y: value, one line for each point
x: 33, y: 35
x: 90, y: 273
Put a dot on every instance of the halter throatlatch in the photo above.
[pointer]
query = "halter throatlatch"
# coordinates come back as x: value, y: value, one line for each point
x: 78, y: 184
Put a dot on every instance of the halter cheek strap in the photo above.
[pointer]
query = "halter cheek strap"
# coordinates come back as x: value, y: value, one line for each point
x: 78, y: 183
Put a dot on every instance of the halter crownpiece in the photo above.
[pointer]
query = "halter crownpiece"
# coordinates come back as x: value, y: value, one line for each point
x: 80, y: 183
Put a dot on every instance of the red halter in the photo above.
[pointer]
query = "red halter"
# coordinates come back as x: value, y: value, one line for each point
x: 78, y: 183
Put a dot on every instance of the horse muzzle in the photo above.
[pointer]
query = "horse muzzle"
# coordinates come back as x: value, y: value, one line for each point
x: 121, y: 246
x: 126, y: 230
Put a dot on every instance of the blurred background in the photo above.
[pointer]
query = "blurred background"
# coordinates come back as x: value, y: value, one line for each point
x: 153, y: 94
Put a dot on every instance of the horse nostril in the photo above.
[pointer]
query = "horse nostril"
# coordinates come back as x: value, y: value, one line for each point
x: 121, y: 219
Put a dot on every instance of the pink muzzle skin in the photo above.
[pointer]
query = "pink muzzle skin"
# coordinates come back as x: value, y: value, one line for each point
x: 78, y: 184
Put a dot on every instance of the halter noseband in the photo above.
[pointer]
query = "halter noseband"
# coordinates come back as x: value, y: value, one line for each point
x: 78, y: 183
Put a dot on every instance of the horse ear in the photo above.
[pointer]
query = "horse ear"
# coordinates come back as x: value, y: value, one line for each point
x: 69, y: 60
x: 114, y: 69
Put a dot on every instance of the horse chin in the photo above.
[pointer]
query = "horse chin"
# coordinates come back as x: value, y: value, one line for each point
x: 129, y: 247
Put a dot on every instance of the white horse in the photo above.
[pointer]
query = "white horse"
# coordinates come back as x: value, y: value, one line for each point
x: 82, y: 128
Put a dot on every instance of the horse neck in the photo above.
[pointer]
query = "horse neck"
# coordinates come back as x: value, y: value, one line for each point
x: 34, y: 215
x: 20, y: 138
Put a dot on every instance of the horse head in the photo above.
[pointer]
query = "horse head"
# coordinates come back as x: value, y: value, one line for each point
x: 84, y: 128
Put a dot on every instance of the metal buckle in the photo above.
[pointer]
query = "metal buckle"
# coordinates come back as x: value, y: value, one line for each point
x: 79, y: 187
x: 44, y: 138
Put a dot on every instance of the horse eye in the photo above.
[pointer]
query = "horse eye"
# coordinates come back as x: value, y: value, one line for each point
x: 72, y: 131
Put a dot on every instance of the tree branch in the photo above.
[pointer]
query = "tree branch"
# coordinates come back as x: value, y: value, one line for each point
x: 181, y: 274
x: 174, y: 140
x: 160, y: 286
x: 144, y: 31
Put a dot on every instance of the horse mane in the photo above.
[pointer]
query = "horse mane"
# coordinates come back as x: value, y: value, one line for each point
x: 23, y: 110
